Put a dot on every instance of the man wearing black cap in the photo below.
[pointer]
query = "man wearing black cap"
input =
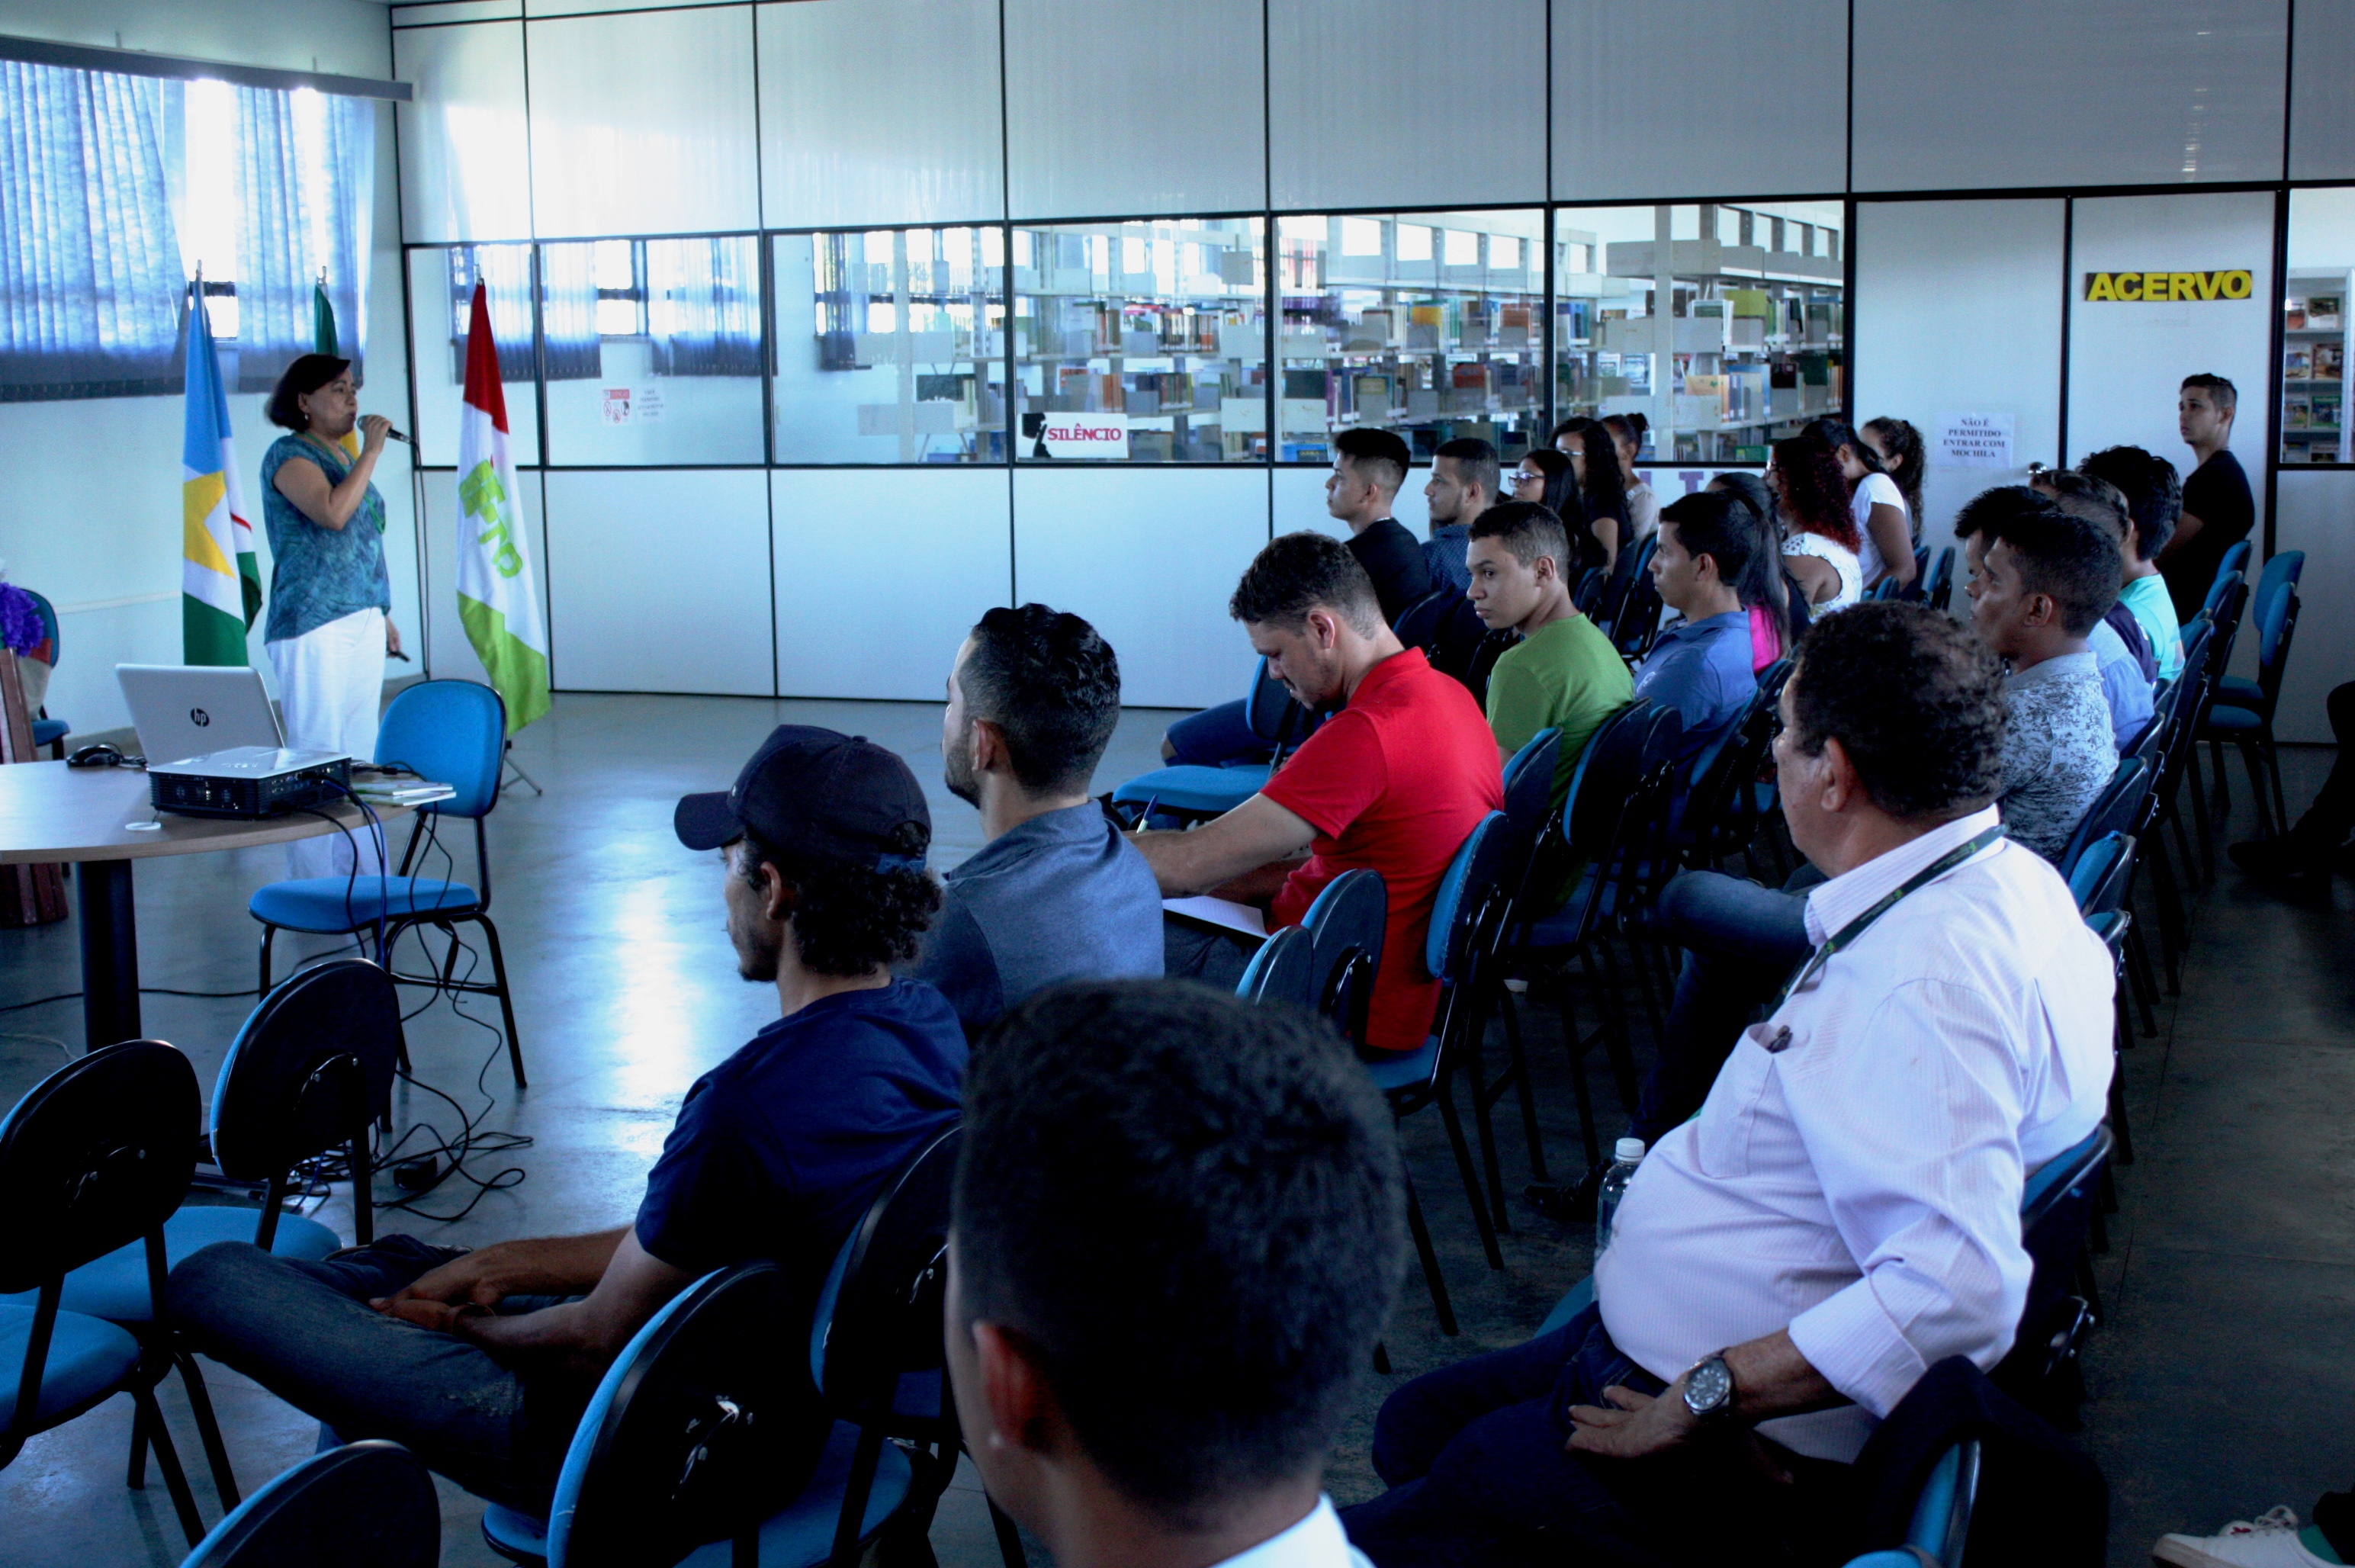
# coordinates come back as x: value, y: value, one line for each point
x: 482, y: 1362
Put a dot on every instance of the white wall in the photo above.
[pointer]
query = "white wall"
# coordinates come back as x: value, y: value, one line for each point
x: 90, y: 513
x: 2313, y: 509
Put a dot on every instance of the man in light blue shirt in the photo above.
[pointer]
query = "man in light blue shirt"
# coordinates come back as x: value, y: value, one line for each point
x: 1701, y: 666
x: 2123, y: 687
x: 1058, y: 893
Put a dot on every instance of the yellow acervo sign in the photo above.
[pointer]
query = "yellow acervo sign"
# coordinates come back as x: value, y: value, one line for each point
x: 2169, y: 288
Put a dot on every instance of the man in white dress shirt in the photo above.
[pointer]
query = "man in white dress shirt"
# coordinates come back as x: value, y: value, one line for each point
x: 1844, y: 1213
x: 1179, y: 1222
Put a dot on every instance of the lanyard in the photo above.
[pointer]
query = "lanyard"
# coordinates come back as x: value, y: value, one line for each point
x: 1855, y: 928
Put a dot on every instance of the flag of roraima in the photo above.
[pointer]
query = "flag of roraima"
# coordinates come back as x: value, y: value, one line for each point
x: 220, y: 581
x: 497, y: 600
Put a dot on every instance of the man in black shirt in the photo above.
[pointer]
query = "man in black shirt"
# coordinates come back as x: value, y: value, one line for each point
x: 1369, y: 466
x: 2218, y: 510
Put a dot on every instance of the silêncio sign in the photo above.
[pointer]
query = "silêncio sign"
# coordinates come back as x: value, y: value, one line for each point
x: 2169, y: 288
x: 1083, y: 436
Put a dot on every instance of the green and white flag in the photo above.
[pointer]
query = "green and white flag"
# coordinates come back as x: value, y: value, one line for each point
x: 496, y: 598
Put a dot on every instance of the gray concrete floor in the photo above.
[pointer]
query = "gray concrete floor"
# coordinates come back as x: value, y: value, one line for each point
x: 2220, y: 1383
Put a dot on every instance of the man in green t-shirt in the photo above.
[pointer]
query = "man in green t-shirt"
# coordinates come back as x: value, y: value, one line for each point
x: 1563, y: 674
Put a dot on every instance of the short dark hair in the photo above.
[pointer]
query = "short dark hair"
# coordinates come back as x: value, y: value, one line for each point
x: 1475, y: 461
x: 1297, y: 573
x: 2073, y: 560
x: 2221, y: 392
x: 1380, y: 456
x: 1915, y: 699
x: 1530, y: 531
x: 2153, y: 491
x: 1194, y: 1209
x: 1717, y: 525
x: 1050, y: 685
x: 1990, y: 507
x: 307, y: 375
x: 2084, y: 496
x: 848, y: 920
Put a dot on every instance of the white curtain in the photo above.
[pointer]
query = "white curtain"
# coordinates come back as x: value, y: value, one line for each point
x: 305, y: 195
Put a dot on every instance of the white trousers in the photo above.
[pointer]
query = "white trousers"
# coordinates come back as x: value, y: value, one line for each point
x: 330, y: 692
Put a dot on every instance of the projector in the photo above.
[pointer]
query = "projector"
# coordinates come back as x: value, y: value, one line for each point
x: 250, y: 782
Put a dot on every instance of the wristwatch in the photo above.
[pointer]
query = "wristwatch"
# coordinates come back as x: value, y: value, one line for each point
x: 1708, y: 1390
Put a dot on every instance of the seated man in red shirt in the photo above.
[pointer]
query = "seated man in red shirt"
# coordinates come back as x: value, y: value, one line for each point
x: 1396, y: 779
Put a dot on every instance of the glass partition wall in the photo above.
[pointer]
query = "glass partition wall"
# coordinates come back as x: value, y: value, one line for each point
x: 1201, y: 340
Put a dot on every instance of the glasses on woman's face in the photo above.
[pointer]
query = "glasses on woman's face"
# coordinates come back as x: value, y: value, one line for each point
x: 1524, y: 477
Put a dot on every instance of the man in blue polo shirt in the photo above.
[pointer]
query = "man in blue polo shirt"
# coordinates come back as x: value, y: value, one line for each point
x: 1701, y: 666
x: 481, y: 1362
x: 1058, y: 893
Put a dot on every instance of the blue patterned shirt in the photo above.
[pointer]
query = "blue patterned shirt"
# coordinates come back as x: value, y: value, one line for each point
x: 316, y: 574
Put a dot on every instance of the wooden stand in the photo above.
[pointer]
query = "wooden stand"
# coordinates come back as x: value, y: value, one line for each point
x: 29, y: 895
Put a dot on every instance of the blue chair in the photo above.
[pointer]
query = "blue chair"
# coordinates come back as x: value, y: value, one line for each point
x: 1529, y: 804
x: 1940, y: 589
x: 1282, y: 970
x: 48, y: 731
x: 1195, y: 792
x: 309, y: 1072
x: 96, y: 1157
x: 2231, y: 568
x: 1941, y: 1516
x: 1887, y: 588
x: 453, y: 733
x: 1444, y: 625
x: 2099, y: 879
x: 2114, y: 811
x: 1728, y: 799
x: 2243, y: 710
x: 365, y: 1505
x: 1347, y: 922
x: 1917, y: 590
x: 672, y: 1461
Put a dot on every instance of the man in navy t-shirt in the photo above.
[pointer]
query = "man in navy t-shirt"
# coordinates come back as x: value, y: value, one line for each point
x: 482, y: 1362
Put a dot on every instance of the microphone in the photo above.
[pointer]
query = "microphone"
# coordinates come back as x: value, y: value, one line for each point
x: 392, y: 434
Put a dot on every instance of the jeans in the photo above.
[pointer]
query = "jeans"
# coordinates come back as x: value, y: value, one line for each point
x: 1215, y: 737
x: 1479, y: 1474
x: 1190, y: 950
x: 306, y: 1332
x: 1741, y: 941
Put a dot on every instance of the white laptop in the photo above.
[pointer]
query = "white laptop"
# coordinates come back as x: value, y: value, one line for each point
x: 191, y: 711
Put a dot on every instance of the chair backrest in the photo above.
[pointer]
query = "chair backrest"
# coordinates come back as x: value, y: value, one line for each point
x: 1493, y: 647
x: 1636, y: 619
x: 1941, y: 592
x: 310, y: 1070
x: 1721, y: 808
x: 1282, y: 970
x: 2116, y: 810
x: 365, y: 1505
x: 880, y: 1314
x: 96, y: 1155
x: 1613, y: 771
x: 1887, y: 588
x: 49, y: 651
x: 1347, y: 923
x: 689, y: 1436
x: 2056, y: 1212
x: 2235, y: 560
x: 1528, y: 786
x: 2096, y: 869
x: 1465, y: 901
x: 452, y: 733
x: 1942, y: 1513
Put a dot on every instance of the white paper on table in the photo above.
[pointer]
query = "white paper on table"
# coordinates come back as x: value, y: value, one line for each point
x: 1224, y: 913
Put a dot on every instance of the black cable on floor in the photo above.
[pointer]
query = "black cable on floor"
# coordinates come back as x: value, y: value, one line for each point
x: 144, y: 990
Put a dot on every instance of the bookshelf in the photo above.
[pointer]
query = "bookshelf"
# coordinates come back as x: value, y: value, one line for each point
x: 1431, y: 324
x: 1750, y: 346
x: 1157, y: 326
x: 2314, y: 367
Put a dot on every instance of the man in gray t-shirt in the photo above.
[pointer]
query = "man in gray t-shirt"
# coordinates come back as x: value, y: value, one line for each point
x: 1058, y: 893
x: 2043, y: 583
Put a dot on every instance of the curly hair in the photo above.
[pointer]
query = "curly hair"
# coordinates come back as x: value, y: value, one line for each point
x: 1915, y: 699
x: 848, y: 920
x: 1815, y: 494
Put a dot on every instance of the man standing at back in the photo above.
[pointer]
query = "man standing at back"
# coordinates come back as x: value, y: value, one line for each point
x: 1395, y: 781
x: 1369, y: 466
x: 1464, y: 483
x: 1145, y: 1381
x: 2218, y: 510
x: 1057, y: 893
x: 1563, y: 674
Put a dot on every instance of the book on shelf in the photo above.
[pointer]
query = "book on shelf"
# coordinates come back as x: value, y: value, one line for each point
x: 2323, y: 311
x: 2325, y: 412
x: 1425, y: 326
x: 1513, y: 326
x: 1373, y: 396
x: 2297, y: 363
x: 2330, y: 361
x: 2294, y: 413
x: 2293, y: 316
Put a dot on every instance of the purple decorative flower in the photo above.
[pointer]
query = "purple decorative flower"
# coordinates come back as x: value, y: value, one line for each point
x: 21, y: 628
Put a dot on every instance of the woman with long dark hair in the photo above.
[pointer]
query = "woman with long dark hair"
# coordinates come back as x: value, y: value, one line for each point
x: 1627, y: 434
x: 1819, y: 532
x: 1884, y: 528
x: 1546, y: 477
x: 1602, y: 487
x: 1777, y: 605
x: 1898, y: 446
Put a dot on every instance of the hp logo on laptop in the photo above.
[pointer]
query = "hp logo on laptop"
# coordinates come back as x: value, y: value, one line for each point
x: 199, y: 718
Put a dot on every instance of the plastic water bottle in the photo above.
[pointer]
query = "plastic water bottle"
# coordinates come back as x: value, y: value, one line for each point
x: 1627, y: 1157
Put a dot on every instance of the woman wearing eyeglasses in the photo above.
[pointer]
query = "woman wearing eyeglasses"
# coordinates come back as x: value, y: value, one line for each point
x: 329, y: 628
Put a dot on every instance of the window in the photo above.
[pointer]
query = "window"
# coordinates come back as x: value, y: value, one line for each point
x: 1152, y: 335
x: 2314, y: 325
x: 1427, y: 325
x: 890, y: 345
x: 1748, y: 345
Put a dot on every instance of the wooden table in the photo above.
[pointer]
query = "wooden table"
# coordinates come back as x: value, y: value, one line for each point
x: 95, y: 817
